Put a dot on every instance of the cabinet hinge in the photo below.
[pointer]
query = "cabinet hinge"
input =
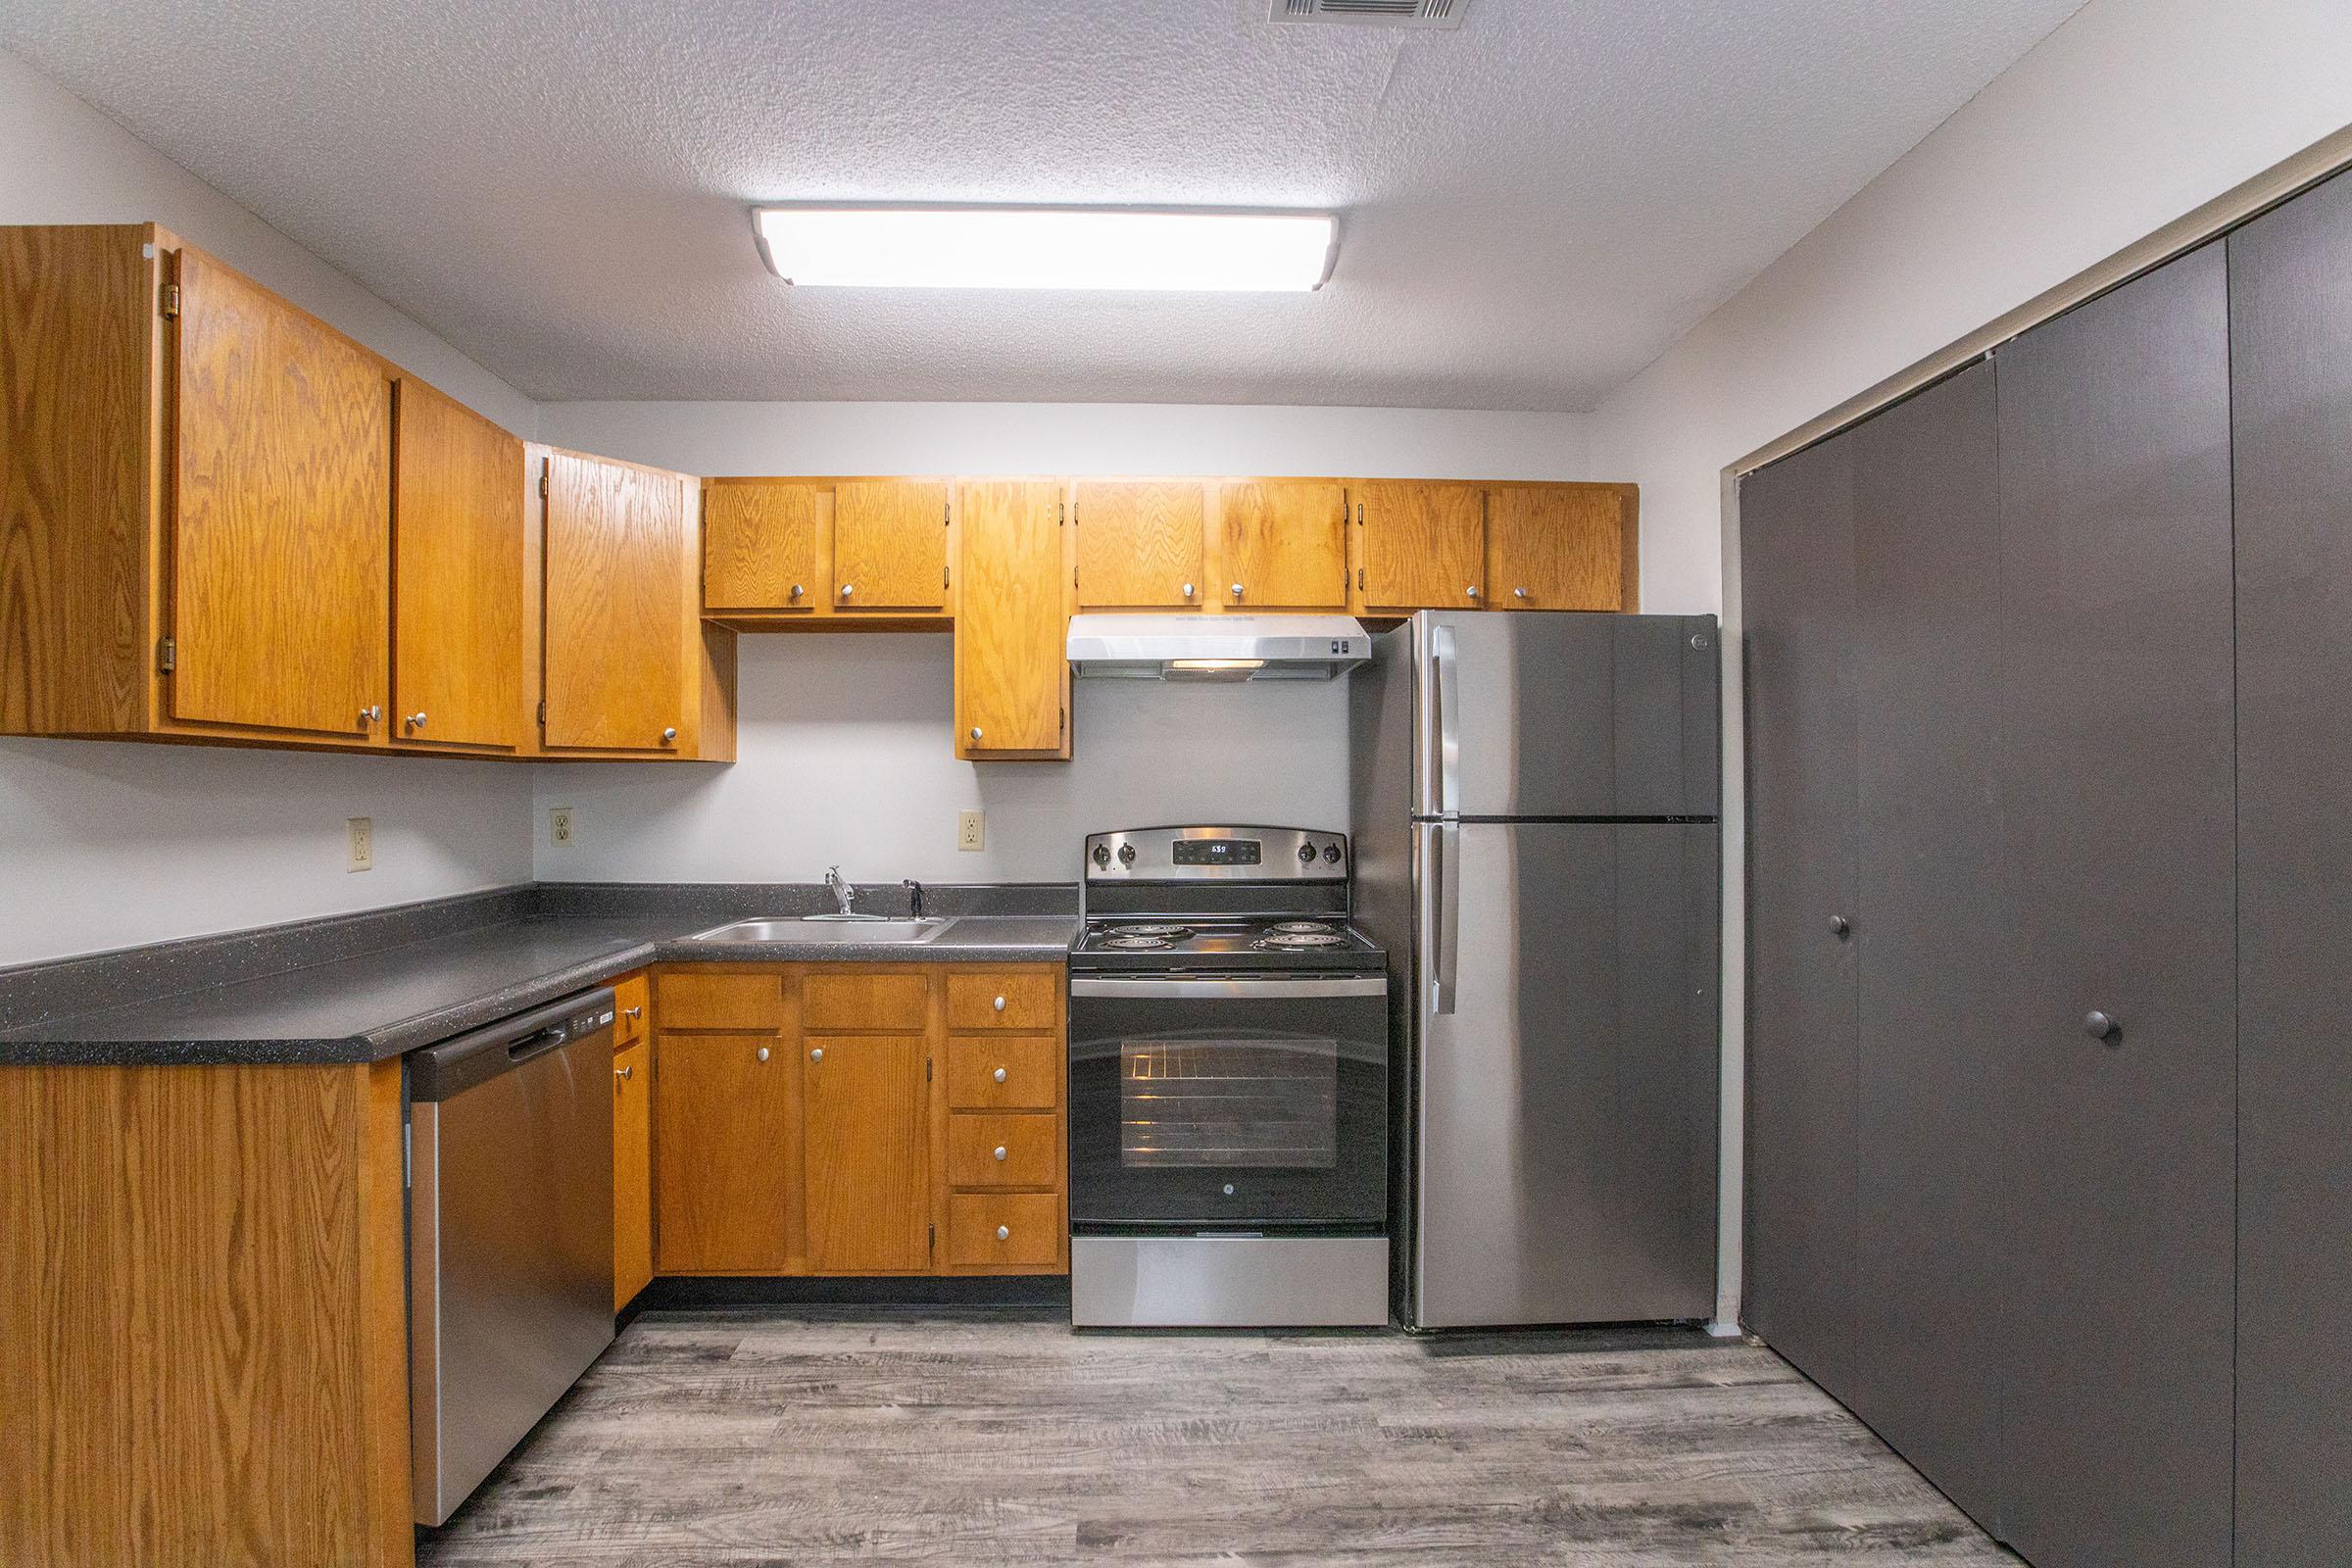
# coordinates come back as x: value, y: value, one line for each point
x: 1359, y: 579
x: 933, y: 1243
x: 543, y: 715
x: 170, y: 305
x: 926, y: 1070
x: 1061, y: 723
x: 167, y: 655
x: 543, y: 484
x: 942, y: 576
x: 1061, y: 513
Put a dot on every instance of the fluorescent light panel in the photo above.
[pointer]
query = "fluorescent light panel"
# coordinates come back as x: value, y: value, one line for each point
x: 1047, y: 247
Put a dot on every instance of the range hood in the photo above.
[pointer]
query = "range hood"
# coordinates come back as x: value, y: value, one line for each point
x: 1217, y: 646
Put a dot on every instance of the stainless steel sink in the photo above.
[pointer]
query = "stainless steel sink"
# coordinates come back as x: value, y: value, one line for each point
x: 821, y: 930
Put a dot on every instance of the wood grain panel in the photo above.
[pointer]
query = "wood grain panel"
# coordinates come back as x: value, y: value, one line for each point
x: 1012, y: 672
x: 890, y: 544
x: 1034, y: 1069
x: 866, y: 1001
x: 865, y: 1176
x: 1555, y: 547
x: 723, y: 1177
x: 1031, y: 1141
x: 1420, y: 545
x: 618, y: 575
x: 1031, y: 997
x: 200, y: 1295
x: 633, y: 1171
x: 1140, y: 543
x: 280, y: 537
x: 1033, y: 1224
x: 761, y: 545
x: 77, y: 319
x: 1284, y: 542
x: 456, y: 574
x: 742, y: 999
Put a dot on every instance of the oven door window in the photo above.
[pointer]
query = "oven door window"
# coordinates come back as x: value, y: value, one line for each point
x: 1271, y: 1105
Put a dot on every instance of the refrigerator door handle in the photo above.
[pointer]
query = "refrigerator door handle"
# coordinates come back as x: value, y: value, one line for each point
x: 1445, y: 875
x: 1446, y: 728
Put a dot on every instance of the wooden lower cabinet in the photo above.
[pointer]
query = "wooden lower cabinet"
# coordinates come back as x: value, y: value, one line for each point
x: 632, y: 1172
x: 820, y: 1119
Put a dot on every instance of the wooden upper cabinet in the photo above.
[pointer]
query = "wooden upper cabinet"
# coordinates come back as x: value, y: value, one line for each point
x: 890, y: 545
x: 866, y: 1146
x: 1420, y: 545
x: 622, y: 622
x: 279, y: 537
x: 1140, y: 543
x: 1282, y: 545
x: 763, y: 543
x: 457, y: 549
x: 1012, y: 671
x: 1558, y: 547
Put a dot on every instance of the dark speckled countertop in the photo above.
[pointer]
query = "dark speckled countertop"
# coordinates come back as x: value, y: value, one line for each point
x: 424, y: 985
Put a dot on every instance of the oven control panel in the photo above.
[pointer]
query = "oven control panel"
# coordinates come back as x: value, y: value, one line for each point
x: 1217, y: 854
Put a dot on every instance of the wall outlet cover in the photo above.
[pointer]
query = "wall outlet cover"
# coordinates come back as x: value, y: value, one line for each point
x: 559, y: 826
x: 362, y: 831
x: 968, y: 831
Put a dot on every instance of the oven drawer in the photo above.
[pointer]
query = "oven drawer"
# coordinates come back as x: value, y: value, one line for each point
x: 1022, y: 1149
x: 1004, y: 998
x: 1003, y: 1229
x: 1008, y: 1072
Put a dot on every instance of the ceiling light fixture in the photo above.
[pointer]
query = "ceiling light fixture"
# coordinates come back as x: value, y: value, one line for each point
x: 1047, y: 247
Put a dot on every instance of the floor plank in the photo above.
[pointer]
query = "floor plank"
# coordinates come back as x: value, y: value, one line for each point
x: 728, y: 1438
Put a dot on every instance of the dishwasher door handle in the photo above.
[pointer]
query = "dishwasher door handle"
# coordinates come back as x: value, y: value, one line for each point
x: 538, y: 1045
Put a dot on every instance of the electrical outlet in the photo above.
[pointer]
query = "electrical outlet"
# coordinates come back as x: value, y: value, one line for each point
x: 363, y: 843
x: 559, y: 826
x: 967, y: 830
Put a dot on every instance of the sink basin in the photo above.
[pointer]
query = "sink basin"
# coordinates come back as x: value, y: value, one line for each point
x: 820, y: 930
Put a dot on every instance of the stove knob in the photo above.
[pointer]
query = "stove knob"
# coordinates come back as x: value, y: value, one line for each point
x: 1330, y: 852
x: 1307, y: 854
x: 1102, y: 854
x: 1126, y: 855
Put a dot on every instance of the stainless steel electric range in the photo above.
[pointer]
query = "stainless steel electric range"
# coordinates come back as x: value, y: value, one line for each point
x: 1229, y: 1085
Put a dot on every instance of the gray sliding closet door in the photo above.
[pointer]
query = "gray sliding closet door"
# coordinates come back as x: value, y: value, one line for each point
x: 1938, y: 957
x: 2290, y: 297
x: 2117, y: 711
x: 1796, y: 576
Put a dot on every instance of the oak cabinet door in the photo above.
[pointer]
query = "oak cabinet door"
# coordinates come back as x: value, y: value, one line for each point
x: 457, y: 544
x: 1556, y: 547
x: 1283, y: 546
x: 1012, y: 671
x: 864, y: 1136
x: 723, y: 1115
x: 1421, y: 545
x: 280, y: 565
x: 1139, y: 542
x: 761, y: 545
x: 619, y: 581
x: 632, y: 1172
x: 890, y: 545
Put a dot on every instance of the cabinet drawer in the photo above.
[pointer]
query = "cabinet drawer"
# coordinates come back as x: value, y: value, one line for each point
x: 865, y: 1002
x: 1004, y: 998
x: 1006, y: 1072
x: 1021, y: 1150
x: 750, y: 1001
x: 1031, y: 1223
x: 628, y: 1009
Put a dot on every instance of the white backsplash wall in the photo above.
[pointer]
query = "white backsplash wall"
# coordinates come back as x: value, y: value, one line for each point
x: 846, y: 755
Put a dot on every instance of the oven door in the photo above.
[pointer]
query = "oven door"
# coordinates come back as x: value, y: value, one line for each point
x: 1229, y: 1103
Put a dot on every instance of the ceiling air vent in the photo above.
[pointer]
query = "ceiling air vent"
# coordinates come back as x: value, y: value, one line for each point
x: 1371, y: 13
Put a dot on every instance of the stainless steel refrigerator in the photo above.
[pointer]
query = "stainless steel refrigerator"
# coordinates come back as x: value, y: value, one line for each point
x: 1537, y: 848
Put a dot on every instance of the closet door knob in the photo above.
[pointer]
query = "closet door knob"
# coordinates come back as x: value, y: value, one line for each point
x: 2100, y: 1026
x: 1839, y: 925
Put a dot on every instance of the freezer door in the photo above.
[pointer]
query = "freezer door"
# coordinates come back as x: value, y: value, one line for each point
x: 1561, y: 714
x: 1566, y: 1067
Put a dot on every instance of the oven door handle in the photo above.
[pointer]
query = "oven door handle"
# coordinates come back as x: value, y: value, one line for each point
x: 1208, y: 988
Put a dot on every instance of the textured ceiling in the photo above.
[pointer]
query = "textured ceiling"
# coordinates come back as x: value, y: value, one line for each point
x: 1534, y: 205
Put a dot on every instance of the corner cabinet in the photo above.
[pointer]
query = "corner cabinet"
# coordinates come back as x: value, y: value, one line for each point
x: 860, y: 1119
x: 1012, y: 671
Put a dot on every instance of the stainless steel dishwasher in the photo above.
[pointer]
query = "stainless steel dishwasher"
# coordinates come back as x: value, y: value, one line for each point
x: 509, y: 1235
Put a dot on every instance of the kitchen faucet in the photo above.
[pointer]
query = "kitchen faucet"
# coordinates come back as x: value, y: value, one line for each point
x: 914, y: 899
x: 841, y: 891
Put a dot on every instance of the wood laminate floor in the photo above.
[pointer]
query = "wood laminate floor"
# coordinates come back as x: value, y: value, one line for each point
x: 932, y: 1436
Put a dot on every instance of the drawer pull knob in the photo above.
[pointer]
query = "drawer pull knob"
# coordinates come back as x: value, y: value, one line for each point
x: 637, y: 1012
x: 818, y: 1055
x: 999, y: 1075
x: 999, y: 1004
x: 1003, y: 1233
x: 623, y: 1072
x: 761, y: 1053
x: 1000, y: 1152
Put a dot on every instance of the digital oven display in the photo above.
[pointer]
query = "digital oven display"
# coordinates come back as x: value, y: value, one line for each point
x: 1217, y: 851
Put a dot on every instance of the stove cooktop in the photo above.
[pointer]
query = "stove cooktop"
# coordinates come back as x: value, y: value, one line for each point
x: 1270, y: 943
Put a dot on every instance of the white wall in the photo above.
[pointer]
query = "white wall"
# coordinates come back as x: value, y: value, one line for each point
x: 104, y: 843
x: 2129, y: 116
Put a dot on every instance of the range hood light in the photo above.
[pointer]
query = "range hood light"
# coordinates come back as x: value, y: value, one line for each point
x: 1216, y: 664
x: 1048, y: 247
x: 1216, y: 647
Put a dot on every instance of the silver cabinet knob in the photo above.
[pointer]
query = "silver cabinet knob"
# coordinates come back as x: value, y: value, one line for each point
x: 417, y: 720
x: 760, y: 1053
x: 1237, y: 590
x: 669, y: 735
x: 797, y: 591
x: 371, y: 714
x: 999, y: 1075
x: 818, y: 1055
x: 999, y: 1004
x: 623, y: 1072
x: 975, y: 732
x: 847, y: 589
x: 1003, y: 1233
x: 1000, y: 1152
x: 2100, y: 1026
x: 632, y: 1013
x: 1188, y: 590
x: 1472, y: 590
x: 1839, y: 925
x: 1518, y: 593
